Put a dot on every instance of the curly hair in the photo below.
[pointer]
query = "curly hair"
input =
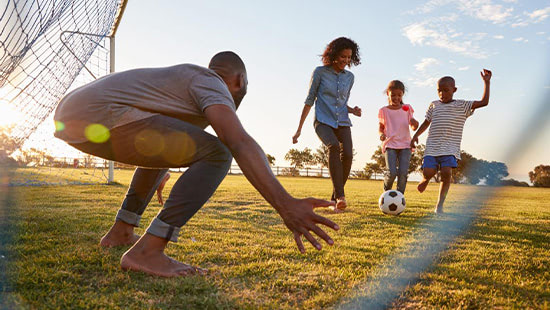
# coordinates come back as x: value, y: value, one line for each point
x: 338, y: 45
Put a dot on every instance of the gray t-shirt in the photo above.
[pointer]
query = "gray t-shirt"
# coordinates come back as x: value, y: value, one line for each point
x: 181, y: 91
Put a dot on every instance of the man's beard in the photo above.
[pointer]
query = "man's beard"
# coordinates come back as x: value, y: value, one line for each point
x: 238, y: 97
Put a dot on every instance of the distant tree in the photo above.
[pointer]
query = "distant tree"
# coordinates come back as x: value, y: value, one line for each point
x: 270, y: 159
x: 512, y: 182
x: 371, y: 169
x: 379, y: 157
x: 7, y: 146
x: 88, y: 161
x: 34, y: 157
x: 294, y: 156
x: 300, y: 159
x: 461, y: 173
x: 414, y: 165
x: 360, y: 174
x: 470, y: 169
x: 416, y: 158
x: 479, y: 169
x: 494, y: 172
x: 321, y: 156
x: 540, y: 176
x: 291, y: 172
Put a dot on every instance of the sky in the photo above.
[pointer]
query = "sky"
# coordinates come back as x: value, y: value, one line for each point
x: 416, y: 42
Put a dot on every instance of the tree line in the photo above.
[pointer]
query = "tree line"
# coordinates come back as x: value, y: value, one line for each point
x: 470, y: 170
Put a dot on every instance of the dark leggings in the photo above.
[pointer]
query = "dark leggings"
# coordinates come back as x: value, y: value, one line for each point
x: 340, y: 150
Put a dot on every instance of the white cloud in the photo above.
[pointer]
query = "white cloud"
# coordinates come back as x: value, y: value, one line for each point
x: 485, y: 10
x: 478, y: 36
x: 480, y: 9
x: 534, y: 17
x: 520, y: 23
x: 430, y: 6
x: 547, y: 87
x: 538, y: 16
x: 520, y: 39
x: 422, y: 34
x: 463, y: 68
x: 417, y: 33
x: 425, y: 63
x: 541, y: 33
x: 426, y: 74
x: 426, y: 81
x: 498, y: 37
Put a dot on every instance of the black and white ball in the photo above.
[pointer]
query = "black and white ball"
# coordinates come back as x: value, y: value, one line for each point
x: 392, y: 202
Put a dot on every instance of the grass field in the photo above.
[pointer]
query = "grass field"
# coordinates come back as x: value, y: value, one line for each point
x: 54, y: 262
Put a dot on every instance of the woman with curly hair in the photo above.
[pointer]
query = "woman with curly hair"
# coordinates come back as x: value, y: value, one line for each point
x: 329, y: 90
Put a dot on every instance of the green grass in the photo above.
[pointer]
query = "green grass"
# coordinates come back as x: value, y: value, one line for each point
x: 501, y: 261
x: 57, y: 176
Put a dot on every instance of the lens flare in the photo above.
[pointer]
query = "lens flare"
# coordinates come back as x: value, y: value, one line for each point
x: 97, y: 133
x: 149, y: 143
x: 59, y: 126
x: 181, y: 150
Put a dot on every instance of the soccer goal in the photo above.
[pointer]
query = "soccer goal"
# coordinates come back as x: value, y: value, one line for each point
x: 48, y: 48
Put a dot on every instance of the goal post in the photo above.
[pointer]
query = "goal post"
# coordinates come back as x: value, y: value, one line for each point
x: 118, y: 18
x: 48, y: 48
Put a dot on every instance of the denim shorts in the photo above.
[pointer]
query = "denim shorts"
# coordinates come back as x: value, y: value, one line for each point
x: 439, y: 161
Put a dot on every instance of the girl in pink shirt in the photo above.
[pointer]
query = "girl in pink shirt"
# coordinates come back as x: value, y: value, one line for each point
x: 395, y: 119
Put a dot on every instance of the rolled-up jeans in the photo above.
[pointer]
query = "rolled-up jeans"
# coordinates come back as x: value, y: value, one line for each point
x: 397, y: 164
x: 155, y: 144
x: 340, y: 154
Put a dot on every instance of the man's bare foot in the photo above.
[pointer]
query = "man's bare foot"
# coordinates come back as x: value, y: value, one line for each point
x: 120, y: 234
x: 422, y: 185
x: 147, y: 256
x: 109, y: 240
x: 438, y: 210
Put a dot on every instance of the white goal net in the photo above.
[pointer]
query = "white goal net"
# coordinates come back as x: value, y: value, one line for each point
x: 47, y: 48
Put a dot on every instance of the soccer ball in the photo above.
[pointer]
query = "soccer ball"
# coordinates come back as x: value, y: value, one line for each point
x: 392, y: 202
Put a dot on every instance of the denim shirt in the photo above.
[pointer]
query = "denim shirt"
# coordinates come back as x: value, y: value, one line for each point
x: 330, y: 91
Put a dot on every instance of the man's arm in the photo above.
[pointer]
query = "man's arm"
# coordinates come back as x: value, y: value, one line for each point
x: 297, y: 214
x: 420, y: 130
x: 486, y: 76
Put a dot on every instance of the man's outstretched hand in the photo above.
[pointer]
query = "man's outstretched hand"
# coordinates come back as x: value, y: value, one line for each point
x: 302, y: 221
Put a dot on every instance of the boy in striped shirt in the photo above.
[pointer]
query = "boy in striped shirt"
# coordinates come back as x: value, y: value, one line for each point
x: 446, y: 118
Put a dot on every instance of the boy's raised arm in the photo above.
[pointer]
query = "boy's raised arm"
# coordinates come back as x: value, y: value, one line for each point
x: 486, y: 76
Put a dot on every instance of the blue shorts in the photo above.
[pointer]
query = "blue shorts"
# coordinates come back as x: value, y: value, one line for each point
x: 439, y: 162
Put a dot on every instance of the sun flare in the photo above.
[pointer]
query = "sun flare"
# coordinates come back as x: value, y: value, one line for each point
x: 8, y: 115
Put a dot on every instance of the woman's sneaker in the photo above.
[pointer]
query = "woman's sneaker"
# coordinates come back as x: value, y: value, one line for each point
x: 341, y: 203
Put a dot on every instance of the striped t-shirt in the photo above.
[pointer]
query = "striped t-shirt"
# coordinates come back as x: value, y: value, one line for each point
x: 447, y: 123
